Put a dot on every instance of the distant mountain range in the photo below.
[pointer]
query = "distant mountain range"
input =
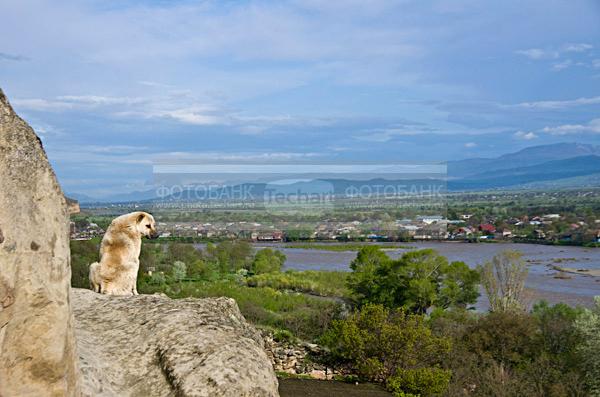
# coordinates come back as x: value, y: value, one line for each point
x: 530, y: 156
x: 560, y: 165
x: 575, y: 167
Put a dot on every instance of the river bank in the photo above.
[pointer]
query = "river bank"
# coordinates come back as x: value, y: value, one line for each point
x: 542, y: 261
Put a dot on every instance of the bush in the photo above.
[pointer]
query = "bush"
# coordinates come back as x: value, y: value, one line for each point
x: 267, y: 260
x: 392, y: 347
x: 513, y: 353
x: 419, y: 382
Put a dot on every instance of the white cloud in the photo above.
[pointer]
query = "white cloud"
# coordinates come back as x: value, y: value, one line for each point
x: 525, y: 135
x: 39, y: 104
x: 592, y: 127
x: 555, y: 54
x: 97, y: 100
x: 193, y: 116
x: 553, y: 105
x: 538, y: 53
x: 557, y: 67
x: 470, y: 145
x: 577, y: 47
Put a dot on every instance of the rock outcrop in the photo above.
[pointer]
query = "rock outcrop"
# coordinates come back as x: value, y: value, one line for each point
x: 147, y: 345
x: 37, y: 347
x: 151, y: 345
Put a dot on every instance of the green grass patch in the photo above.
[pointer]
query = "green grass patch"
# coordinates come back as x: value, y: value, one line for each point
x: 322, y: 283
x: 304, y: 316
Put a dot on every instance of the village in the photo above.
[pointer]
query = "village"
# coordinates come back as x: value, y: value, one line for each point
x: 549, y: 228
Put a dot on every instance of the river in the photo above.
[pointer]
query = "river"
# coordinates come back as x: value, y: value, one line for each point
x: 541, y: 284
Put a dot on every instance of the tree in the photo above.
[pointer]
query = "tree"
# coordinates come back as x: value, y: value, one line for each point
x: 364, y: 281
x: 267, y: 261
x: 391, y: 346
x: 504, y: 281
x: 230, y: 256
x: 179, y: 271
x: 416, y: 281
x: 588, y: 325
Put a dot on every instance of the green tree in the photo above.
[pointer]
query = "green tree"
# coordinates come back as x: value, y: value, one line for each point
x: 230, y: 256
x: 267, y: 261
x: 416, y: 281
x: 391, y: 346
x: 364, y: 281
x: 588, y: 325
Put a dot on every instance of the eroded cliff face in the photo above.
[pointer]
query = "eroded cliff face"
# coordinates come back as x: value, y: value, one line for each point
x: 37, y: 346
x: 150, y: 345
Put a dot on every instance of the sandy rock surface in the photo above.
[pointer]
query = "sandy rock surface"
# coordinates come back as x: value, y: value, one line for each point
x: 37, y: 348
x: 151, y: 345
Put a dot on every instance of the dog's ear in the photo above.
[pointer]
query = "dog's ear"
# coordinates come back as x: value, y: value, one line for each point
x: 140, y: 218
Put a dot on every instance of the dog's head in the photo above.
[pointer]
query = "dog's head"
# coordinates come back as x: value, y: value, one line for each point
x: 146, y: 225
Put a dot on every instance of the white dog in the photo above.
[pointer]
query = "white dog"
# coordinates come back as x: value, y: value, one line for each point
x: 116, y: 273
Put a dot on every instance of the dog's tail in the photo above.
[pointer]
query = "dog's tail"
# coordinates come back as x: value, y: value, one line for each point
x: 93, y: 276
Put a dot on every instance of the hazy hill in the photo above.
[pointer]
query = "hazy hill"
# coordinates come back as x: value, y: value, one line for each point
x: 556, y: 165
x: 547, y: 171
x: 526, y: 157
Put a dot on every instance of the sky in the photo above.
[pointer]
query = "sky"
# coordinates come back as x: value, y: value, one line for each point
x: 112, y: 87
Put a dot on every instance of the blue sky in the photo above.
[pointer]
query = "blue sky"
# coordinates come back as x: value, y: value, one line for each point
x: 111, y: 86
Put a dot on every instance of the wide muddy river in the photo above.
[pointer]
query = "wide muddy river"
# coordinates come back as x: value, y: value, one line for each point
x: 541, y: 284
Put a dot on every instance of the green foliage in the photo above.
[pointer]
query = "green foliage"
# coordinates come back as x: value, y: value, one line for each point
x: 419, y: 382
x: 504, y: 281
x: 83, y: 253
x: 304, y: 316
x: 416, y: 281
x: 588, y: 325
x: 267, y: 260
x: 230, y: 256
x: 365, y: 279
x: 283, y: 335
x: 298, y: 234
x: 513, y: 353
x: 179, y: 271
x: 391, y: 346
x: 505, y: 337
x: 321, y: 283
x: 557, y: 333
x: 157, y: 278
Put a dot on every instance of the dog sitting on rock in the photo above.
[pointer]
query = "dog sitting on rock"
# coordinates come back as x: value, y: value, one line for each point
x: 116, y: 273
